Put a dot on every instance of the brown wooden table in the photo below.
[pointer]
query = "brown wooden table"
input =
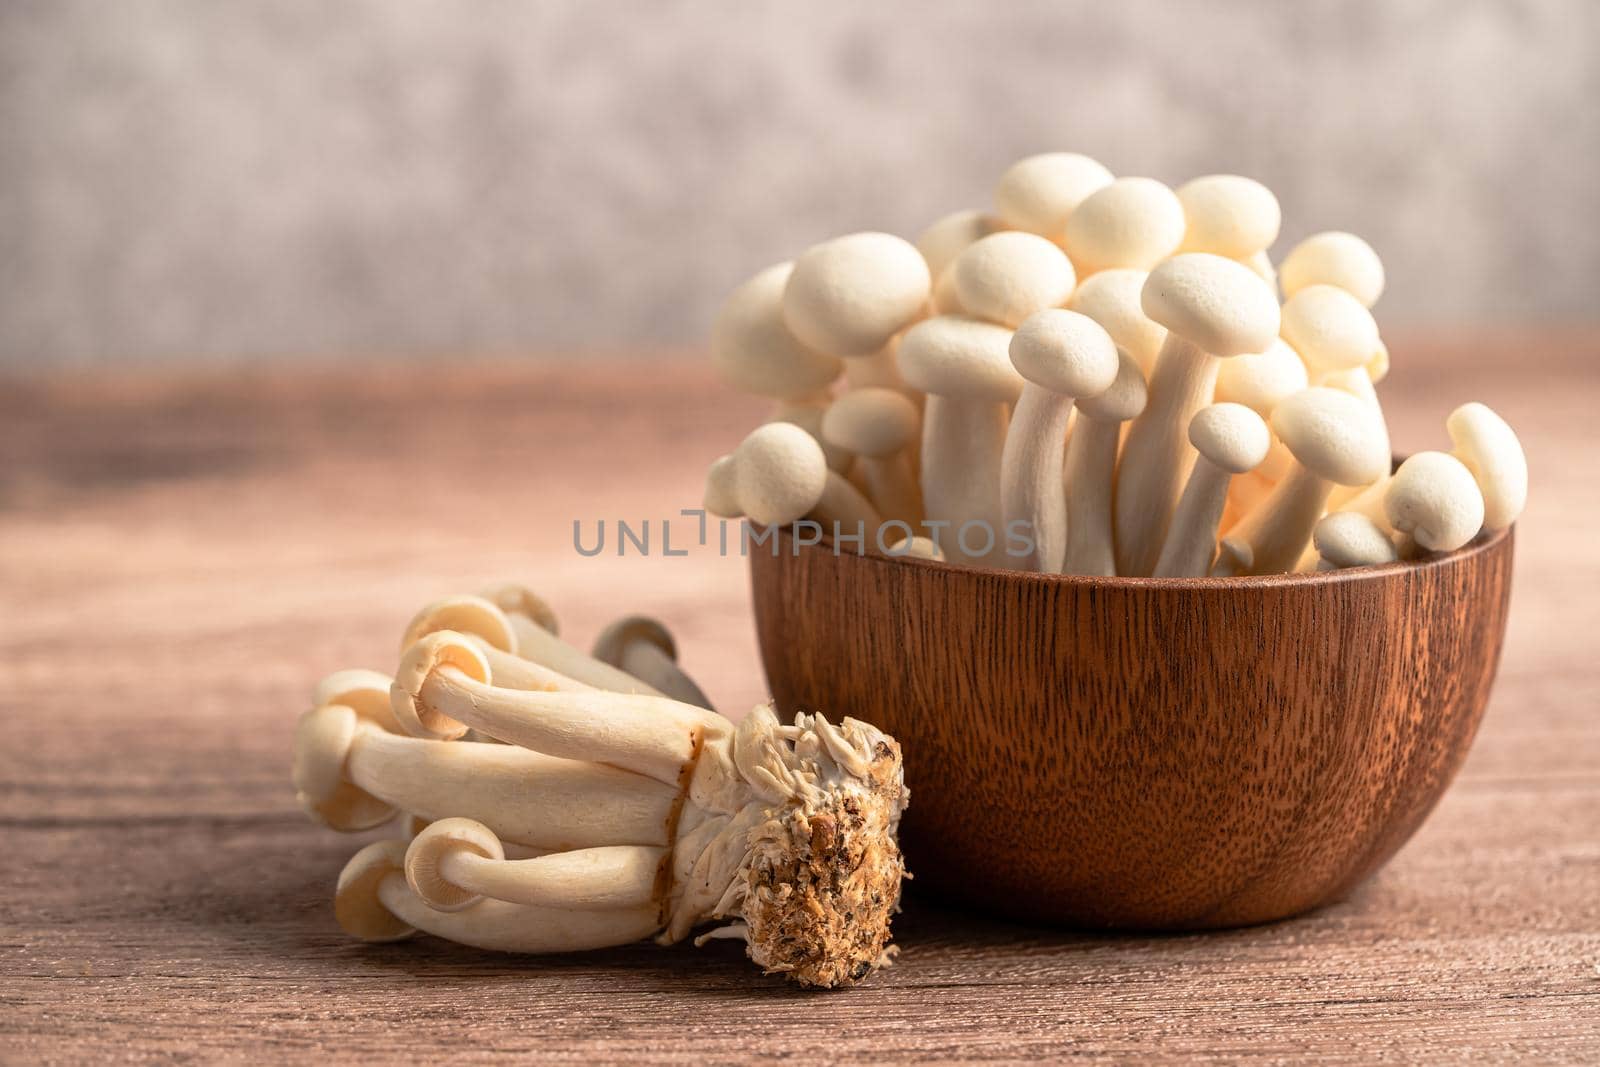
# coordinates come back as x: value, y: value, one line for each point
x: 182, y: 555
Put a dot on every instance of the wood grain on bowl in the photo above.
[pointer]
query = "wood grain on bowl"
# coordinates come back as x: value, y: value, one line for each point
x: 1146, y: 753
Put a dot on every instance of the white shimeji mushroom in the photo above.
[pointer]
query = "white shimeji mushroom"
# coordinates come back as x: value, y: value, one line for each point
x: 880, y: 426
x: 1260, y: 381
x: 1089, y: 473
x: 964, y: 365
x: 782, y: 475
x: 755, y: 352
x: 850, y: 295
x: 604, y: 818
x: 807, y: 413
x: 1133, y: 223
x: 1331, y: 331
x: 1434, y: 501
x: 916, y: 547
x: 1062, y: 356
x: 1008, y: 276
x: 1350, y: 539
x: 1229, y: 215
x: 1039, y: 194
x: 1335, y: 439
x: 1213, y: 308
x: 1112, y: 298
x: 1230, y: 439
x: 947, y: 238
x: 524, y: 653
x: 1490, y: 449
x: 1333, y: 258
x: 643, y: 648
x: 321, y: 789
x: 722, y: 489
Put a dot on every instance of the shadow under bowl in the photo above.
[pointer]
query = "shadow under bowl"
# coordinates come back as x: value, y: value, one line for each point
x: 1139, y: 753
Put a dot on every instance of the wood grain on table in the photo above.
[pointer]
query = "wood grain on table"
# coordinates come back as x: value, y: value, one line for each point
x: 183, y: 555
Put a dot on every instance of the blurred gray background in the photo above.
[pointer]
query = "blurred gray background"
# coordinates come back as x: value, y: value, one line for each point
x: 194, y: 180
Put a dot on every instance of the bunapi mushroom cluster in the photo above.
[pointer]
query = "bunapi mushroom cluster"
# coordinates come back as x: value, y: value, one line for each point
x: 551, y: 800
x: 1098, y: 376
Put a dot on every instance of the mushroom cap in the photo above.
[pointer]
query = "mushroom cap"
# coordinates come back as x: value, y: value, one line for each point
x: 947, y: 238
x: 956, y: 356
x: 1212, y: 302
x: 1488, y: 446
x: 322, y: 740
x: 442, y: 648
x: 1231, y: 436
x: 755, y: 352
x: 1039, y: 193
x: 1434, y: 498
x: 616, y: 637
x: 1112, y: 298
x: 465, y: 614
x: 808, y: 415
x: 722, y: 489
x: 872, y: 422
x: 781, y: 472
x: 1261, y: 380
x: 1133, y: 222
x: 1065, y: 352
x: 1330, y: 329
x: 1229, y: 215
x: 1007, y: 276
x: 515, y: 599
x: 428, y: 850
x: 1334, y: 435
x: 1333, y: 258
x: 356, y: 905
x: 1123, y: 399
x: 1351, y: 539
x: 848, y: 296
x: 365, y: 692
x: 916, y: 547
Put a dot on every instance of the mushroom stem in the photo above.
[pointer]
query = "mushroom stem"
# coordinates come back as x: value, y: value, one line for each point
x: 1090, y: 471
x: 513, y: 672
x: 648, y: 662
x: 1061, y: 355
x: 602, y: 878
x: 454, y: 861
x: 501, y: 635
x: 1230, y: 439
x: 1271, y: 538
x: 842, y: 505
x: 963, y: 442
x: 1192, y: 537
x: 1030, y: 475
x: 541, y: 646
x: 527, y: 797
x: 434, y: 695
x: 503, y: 927
x: 892, y: 486
x: 1157, y: 453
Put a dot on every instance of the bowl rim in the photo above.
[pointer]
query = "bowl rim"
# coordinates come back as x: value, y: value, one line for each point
x: 1486, y: 541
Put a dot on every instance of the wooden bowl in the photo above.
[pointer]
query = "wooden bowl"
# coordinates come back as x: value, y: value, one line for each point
x: 1157, y: 754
